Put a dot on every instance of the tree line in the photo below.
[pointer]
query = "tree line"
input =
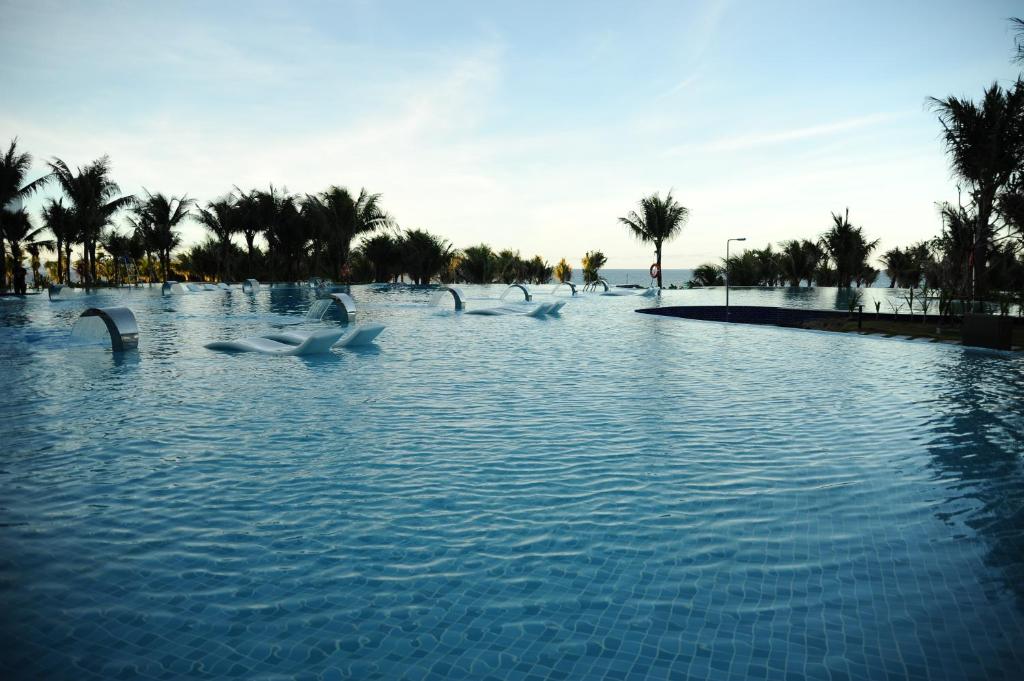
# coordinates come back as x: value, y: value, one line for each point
x: 303, y: 236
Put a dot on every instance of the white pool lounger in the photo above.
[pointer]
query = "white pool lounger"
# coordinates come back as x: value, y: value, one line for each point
x: 362, y: 334
x: 301, y: 343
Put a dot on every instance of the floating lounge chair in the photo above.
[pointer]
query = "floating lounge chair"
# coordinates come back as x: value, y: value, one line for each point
x: 539, y: 310
x: 362, y: 334
x: 301, y: 343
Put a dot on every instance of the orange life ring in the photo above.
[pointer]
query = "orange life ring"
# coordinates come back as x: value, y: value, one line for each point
x: 654, y: 271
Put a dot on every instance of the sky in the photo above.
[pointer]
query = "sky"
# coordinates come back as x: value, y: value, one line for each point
x: 525, y: 125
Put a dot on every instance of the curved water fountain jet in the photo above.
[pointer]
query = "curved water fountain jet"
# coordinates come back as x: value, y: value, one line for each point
x: 568, y: 284
x: 117, y: 323
x: 340, y: 301
x: 522, y: 287
x: 58, y: 291
x: 250, y: 286
x: 172, y: 288
x: 592, y: 286
x: 454, y: 292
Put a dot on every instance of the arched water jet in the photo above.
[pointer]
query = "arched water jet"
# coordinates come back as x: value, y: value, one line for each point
x: 342, y: 302
x: 117, y: 323
x: 522, y: 287
x: 174, y: 288
x: 59, y: 291
x: 250, y: 286
x: 454, y: 292
x: 565, y: 284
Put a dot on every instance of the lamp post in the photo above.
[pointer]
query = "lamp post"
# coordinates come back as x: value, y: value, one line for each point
x: 727, y: 241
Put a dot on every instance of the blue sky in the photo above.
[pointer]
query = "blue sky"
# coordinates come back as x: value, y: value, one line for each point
x: 523, y: 125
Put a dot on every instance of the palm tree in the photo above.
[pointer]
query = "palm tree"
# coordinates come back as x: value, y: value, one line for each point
x: 1018, y: 23
x: 94, y: 199
x: 847, y: 248
x: 384, y: 256
x: 424, y: 255
x: 538, y: 270
x: 14, y: 168
x: 509, y: 267
x: 340, y: 218
x: 658, y: 221
x: 897, y: 266
x: 143, y: 235
x: 222, y: 219
x: 986, y: 147
x: 21, y: 236
x: 119, y: 247
x: 955, y: 247
x: 251, y: 221
x: 707, y: 275
x: 478, y: 265
x: 58, y: 219
x: 563, y: 271
x: 798, y: 260
x: 163, y: 214
x: 593, y: 261
x: 288, y: 232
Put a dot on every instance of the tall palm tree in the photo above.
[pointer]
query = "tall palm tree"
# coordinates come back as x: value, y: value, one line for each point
x: 57, y: 218
x: 707, y: 274
x: 658, y: 221
x: 509, y: 267
x: 478, y: 264
x: 955, y: 247
x: 798, y: 261
x: 22, y: 235
x: 383, y: 254
x: 563, y: 271
x: 251, y: 222
x: 222, y: 219
x: 898, y: 267
x: 593, y: 261
x: 847, y: 248
x: 985, y: 143
x: 143, y: 235
x: 287, y: 230
x: 424, y: 255
x: 163, y: 214
x: 340, y: 218
x: 1018, y: 24
x: 94, y: 199
x: 119, y: 247
x: 14, y: 168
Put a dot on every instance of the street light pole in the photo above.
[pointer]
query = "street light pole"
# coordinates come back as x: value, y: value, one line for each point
x: 727, y: 241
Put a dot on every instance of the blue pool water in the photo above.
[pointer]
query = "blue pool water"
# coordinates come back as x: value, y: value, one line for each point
x: 604, y: 495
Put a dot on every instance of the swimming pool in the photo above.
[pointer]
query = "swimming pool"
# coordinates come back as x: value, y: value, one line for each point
x: 599, y: 495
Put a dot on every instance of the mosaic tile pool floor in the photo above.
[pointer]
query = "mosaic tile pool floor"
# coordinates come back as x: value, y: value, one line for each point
x: 603, y: 495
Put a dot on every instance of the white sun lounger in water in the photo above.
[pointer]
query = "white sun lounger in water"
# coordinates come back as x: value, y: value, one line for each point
x: 538, y: 310
x: 300, y: 343
x: 362, y: 334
